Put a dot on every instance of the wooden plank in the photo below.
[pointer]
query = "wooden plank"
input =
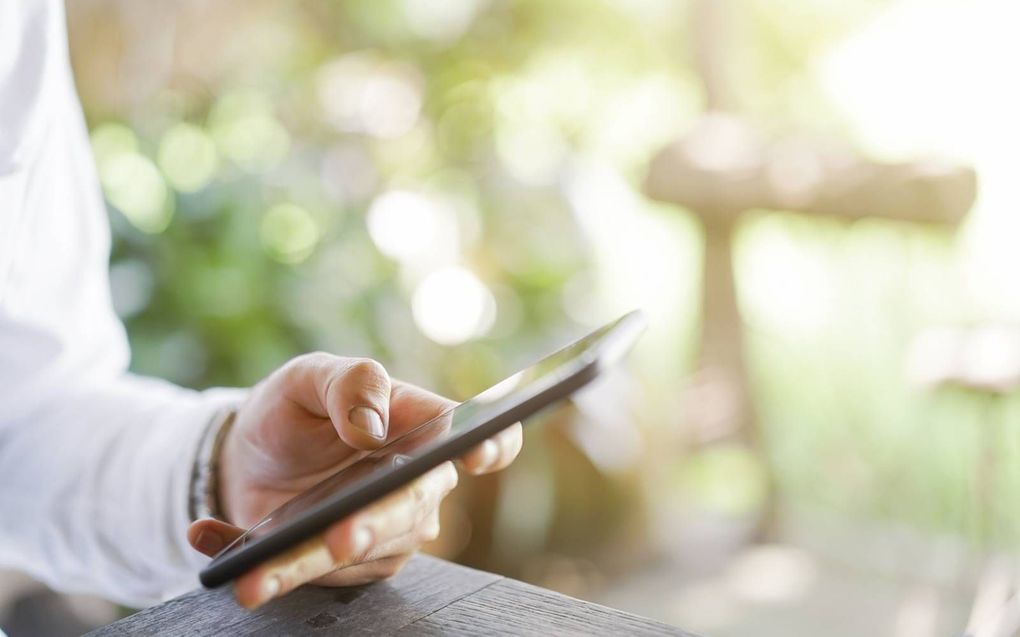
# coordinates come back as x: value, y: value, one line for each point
x: 430, y: 597
x: 509, y: 607
x: 424, y: 586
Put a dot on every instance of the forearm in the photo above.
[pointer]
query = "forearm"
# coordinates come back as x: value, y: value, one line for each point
x: 96, y: 488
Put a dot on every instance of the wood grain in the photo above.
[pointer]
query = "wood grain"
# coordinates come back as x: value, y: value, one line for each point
x: 430, y: 596
x: 509, y: 607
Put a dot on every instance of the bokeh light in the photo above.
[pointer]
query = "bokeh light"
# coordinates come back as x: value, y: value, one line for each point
x: 413, y: 228
x: 246, y: 131
x: 134, y: 186
x: 187, y: 157
x: 111, y: 139
x: 132, y: 284
x: 441, y: 20
x: 452, y: 306
x: 289, y: 232
x: 362, y: 92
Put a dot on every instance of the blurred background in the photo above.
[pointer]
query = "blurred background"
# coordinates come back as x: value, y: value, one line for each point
x: 815, y: 202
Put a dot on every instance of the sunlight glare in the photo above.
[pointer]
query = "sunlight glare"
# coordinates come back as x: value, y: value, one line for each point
x: 452, y: 305
x: 413, y: 228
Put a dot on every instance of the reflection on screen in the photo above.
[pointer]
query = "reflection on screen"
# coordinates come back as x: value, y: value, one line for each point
x: 427, y: 436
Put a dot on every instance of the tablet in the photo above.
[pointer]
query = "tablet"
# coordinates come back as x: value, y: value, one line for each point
x: 426, y: 446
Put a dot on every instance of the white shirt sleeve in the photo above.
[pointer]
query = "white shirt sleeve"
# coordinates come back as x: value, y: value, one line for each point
x: 95, y: 463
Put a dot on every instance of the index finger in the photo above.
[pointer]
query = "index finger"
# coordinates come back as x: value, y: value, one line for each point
x: 354, y: 539
x: 411, y: 406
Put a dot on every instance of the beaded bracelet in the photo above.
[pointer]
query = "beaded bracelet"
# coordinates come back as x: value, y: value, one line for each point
x: 204, y: 497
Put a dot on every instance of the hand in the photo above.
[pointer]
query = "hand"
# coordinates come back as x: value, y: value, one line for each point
x: 302, y: 424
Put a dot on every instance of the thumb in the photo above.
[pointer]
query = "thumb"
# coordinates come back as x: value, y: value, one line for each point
x: 209, y: 536
x: 357, y: 399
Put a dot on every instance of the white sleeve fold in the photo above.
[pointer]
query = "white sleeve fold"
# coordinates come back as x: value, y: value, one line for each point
x: 95, y: 493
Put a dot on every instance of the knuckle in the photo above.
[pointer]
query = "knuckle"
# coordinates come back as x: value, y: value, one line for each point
x: 299, y: 365
x: 309, y: 359
x: 368, y: 374
x: 365, y: 367
x: 395, y: 516
x: 430, y: 530
x: 419, y: 494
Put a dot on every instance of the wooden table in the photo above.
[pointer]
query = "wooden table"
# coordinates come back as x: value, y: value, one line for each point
x: 429, y: 597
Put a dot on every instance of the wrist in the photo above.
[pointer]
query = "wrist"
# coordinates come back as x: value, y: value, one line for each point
x: 206, y: 487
